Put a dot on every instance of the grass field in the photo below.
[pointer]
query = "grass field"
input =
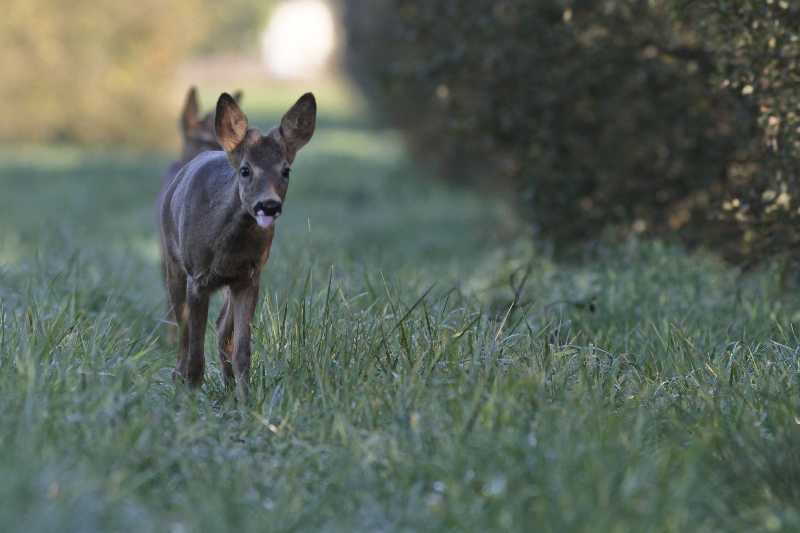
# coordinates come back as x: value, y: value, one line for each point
x: 415, y: 368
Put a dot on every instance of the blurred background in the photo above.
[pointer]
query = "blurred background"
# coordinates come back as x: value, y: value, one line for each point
x: 586, y: 119
x: 112, y: 74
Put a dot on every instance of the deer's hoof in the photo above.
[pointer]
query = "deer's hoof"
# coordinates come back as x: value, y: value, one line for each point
x: 195, y: 374
x: 242, y: 394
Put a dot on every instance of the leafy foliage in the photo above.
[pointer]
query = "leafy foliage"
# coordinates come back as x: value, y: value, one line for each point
x: 102, y: 72
x: 755, y: 47
x: 625, y: 113
x: 236, y: 26
x: 91, y: 71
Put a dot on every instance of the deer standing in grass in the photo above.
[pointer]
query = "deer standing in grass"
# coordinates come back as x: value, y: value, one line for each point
x: 217, y: 221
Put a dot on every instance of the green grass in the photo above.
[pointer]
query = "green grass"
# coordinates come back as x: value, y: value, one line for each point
x: 408, y: 374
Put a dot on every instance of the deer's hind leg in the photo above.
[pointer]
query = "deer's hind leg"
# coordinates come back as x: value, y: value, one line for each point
x: 175, y: 281
x: 197, y: 300
x: 172, y: 320
x: 225, y: 339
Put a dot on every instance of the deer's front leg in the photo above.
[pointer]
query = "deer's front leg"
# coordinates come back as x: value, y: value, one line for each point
x: 225, y: 340
x: 243, y: 301
x: 198, y: 316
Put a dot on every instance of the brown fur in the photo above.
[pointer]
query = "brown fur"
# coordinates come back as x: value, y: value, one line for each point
x: 210, y: 239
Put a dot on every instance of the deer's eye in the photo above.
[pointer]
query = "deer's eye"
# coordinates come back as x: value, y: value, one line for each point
x: 285, y: 173
x: 245, y: 171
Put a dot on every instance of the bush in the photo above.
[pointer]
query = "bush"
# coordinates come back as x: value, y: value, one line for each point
x: 600, y: 114
x: 755, y: 47
x: 92, y: 71
x: 237, y: 25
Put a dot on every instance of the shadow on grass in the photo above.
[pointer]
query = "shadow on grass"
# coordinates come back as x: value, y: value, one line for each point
x: 354, y: 199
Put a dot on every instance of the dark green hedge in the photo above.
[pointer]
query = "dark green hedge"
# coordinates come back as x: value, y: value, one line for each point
x: 755, y: 49
x: 626, y: 114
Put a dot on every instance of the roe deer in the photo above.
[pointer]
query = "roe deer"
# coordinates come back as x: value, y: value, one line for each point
x: 217, y: 221
x: 197, y: 134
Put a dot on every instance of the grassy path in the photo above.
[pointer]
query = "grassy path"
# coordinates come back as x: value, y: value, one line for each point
x: 396, y: 386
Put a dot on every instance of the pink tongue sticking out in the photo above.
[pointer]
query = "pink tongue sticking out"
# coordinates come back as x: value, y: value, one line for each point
x: 263, y: 220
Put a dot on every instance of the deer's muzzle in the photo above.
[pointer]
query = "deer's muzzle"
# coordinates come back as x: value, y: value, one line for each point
x: 267, y: 211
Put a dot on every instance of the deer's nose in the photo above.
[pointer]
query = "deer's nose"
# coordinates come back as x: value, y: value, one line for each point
x: 270, y: 208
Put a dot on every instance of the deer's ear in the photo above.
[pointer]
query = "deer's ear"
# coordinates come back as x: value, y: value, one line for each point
x: 297, y: 125
x: 230, y: 123
x: 191, y: 108
x: 238, y: 97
